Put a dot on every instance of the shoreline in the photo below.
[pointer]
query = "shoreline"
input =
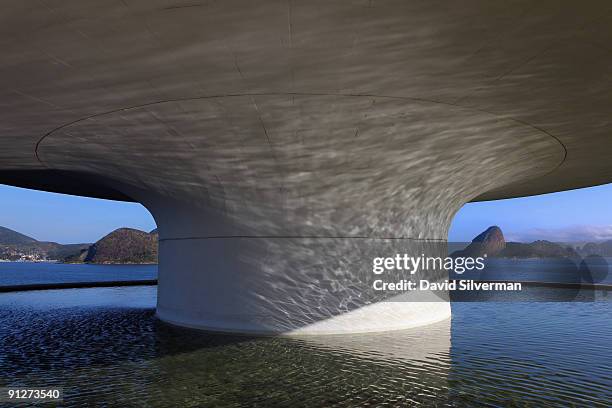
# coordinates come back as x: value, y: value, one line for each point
x: 565, y: 285
x: 76, y: 285
x: 152, y: 282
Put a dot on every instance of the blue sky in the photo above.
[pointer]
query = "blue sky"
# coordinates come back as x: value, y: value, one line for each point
x: 577, y: 215
x: 67, y: 219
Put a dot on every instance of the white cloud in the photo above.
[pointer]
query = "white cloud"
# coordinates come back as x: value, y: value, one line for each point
x: 573, y: 233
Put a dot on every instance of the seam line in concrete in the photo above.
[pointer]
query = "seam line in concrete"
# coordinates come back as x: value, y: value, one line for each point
x: 299, y: 237
x: 407, y: 98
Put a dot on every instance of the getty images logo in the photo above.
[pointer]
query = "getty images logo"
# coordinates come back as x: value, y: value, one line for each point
x: 412, y: 264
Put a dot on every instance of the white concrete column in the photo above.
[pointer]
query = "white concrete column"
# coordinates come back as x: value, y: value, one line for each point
x: 311, y: 285
x: 271, y: 207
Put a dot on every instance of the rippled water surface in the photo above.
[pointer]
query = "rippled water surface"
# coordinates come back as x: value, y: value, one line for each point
x: 23, y: 273
x: 105, y: 345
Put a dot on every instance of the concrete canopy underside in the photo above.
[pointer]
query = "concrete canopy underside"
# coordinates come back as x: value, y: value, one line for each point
x: 281, y: 145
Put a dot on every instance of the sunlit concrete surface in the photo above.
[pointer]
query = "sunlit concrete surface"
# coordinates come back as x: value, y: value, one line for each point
x: 281, y: 145
x: 397, y: 346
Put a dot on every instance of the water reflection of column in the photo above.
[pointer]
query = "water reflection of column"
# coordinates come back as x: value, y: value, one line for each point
x: 407, y: 367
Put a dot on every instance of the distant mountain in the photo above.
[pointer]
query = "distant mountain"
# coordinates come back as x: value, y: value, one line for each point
x: 122, y: 246
x: 492, y: 242
x: 596, y: 248
x: 10, y: 237
x: 537, y: 249
x: 62, y: 251
x: 15, y: 246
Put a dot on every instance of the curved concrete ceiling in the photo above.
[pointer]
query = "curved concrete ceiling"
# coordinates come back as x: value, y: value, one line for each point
x: 104, y: 78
